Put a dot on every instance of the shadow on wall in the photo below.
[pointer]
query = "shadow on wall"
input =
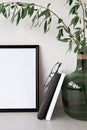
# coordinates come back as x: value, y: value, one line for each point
x: 41, y: 77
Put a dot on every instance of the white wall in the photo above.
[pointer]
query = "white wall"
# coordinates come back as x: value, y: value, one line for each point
x: 51, y: 50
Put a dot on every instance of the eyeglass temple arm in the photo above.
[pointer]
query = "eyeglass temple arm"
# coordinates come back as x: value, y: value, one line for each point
x: 59, y: 66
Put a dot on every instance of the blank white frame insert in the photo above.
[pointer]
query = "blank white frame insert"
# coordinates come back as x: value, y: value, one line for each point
x: 18, y: 78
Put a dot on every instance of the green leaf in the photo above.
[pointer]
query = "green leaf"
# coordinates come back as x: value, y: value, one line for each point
x: 60, y: 20
x: 14, y: 14
x: 78, y: 28
x: 4, y: 12
x: 12, y: 6
x: 63, y: 27
x: 42, y: 13
x: 76, y: 49
x: 35, y: 20
x: 49, y: 21
x: 86, y: 12
x: 83, y: 43
x: 70, y: 2
x: 24, y: 12
x: 74, y: 9
x: 48, y: 5
x: 78, y: 31
x: 64, y: 40
x: 30, y: 10
x: 0, y: 8
x: 45, y: 26
x: 70, y: 45
x: 8, y: 12
x: 85, y: 20
x: 47, y: 14
x: 60, y: 27
x: 80, y: 20
x: 60, y: 33
x: 74, y: 21
x: 77, y: 36
x: 18, y: 17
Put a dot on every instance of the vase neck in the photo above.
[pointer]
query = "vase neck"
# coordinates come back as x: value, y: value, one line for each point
x: 81, y: 62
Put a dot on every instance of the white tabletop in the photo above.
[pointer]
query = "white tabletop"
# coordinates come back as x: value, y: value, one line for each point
x: 29, y: 121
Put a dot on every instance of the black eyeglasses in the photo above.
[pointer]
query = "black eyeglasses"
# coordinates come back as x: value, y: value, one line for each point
x: 54, y: 70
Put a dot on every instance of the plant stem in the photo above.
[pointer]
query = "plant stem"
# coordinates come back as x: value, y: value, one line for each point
x: 83, y: 17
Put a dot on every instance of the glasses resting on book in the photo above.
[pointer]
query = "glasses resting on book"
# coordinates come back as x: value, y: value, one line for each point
x: 54, y: 70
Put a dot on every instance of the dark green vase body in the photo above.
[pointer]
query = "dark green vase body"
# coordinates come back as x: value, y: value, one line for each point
x: 74, y: 90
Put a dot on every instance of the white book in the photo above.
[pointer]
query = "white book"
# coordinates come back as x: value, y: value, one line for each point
x: 55, y: 97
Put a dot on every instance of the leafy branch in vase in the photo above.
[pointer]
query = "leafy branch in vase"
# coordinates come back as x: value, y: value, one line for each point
x: 75, y: 32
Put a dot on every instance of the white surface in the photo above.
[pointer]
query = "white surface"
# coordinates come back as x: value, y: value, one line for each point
x: 55, y: 97
x: 18, y: 78
x: 29, y: 121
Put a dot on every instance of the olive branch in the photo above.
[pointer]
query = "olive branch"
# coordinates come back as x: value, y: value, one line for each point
x: 75, y: 32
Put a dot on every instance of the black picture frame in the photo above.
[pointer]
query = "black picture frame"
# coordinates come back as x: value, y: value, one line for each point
x: 13, y: 54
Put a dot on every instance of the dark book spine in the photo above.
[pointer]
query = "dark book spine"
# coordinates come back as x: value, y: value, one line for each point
x: 48, y: 96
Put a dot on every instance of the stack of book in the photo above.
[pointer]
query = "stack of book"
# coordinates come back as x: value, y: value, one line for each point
x: 51, y: 96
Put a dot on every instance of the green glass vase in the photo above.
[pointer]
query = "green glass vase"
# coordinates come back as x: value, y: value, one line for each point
x: 74, y: 90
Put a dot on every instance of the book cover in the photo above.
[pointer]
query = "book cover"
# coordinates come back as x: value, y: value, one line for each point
x: 48, y: 96
x: 55, y: 97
